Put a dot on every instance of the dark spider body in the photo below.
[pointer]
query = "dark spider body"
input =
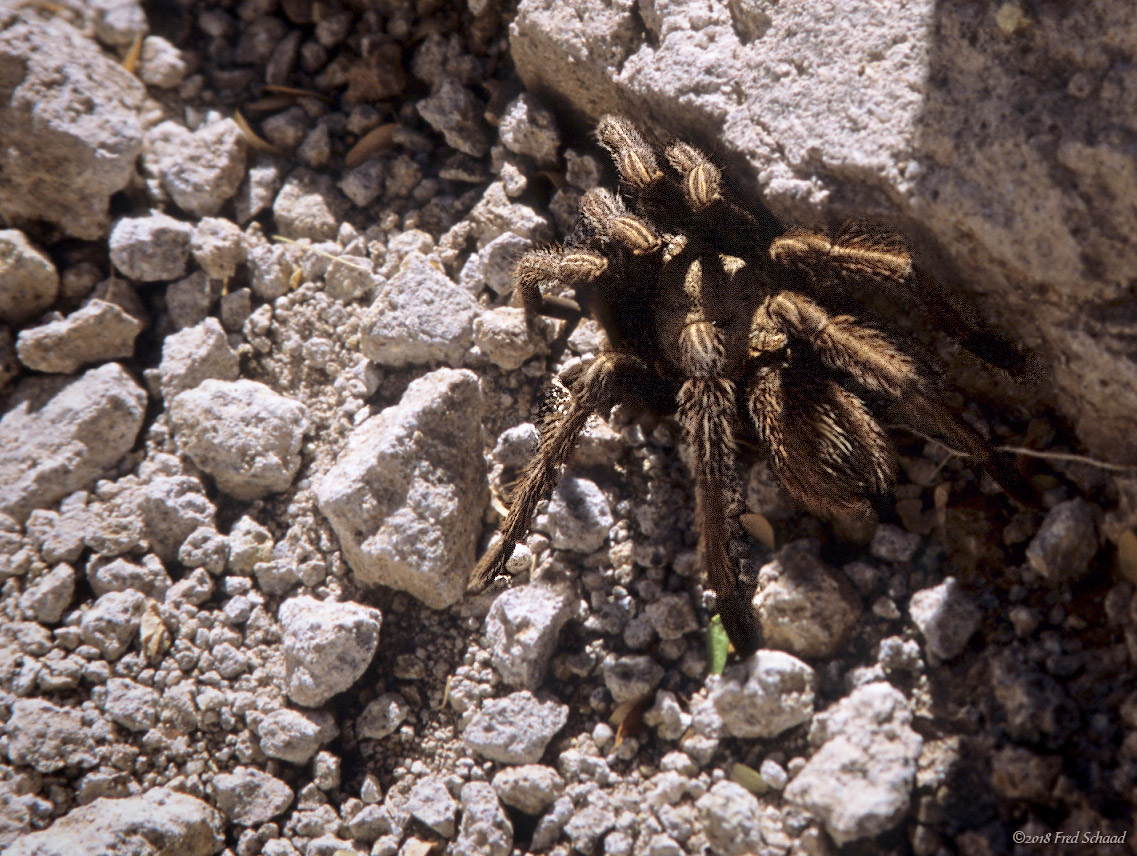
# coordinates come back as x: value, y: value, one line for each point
x: 710, y: 314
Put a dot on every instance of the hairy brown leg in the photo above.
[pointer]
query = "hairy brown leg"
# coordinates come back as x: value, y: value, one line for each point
x: 597, y: 388
x: 870, y: 359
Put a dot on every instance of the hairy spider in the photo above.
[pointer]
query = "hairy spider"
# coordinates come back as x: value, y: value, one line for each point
x: 713, y: 315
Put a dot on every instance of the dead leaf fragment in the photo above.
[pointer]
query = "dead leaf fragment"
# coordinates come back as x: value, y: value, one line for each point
x: 759, y: 528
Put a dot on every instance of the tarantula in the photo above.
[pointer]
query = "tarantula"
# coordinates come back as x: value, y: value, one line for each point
x: 711, y: 313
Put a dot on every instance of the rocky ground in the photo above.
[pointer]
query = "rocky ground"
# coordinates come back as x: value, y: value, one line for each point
x: 263, y: 392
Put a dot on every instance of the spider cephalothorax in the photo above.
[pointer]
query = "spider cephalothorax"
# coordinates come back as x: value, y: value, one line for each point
x: 714, y: 316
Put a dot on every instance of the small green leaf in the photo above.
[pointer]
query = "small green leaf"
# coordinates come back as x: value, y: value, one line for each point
x: 718, y: 646
x: 749, y: 778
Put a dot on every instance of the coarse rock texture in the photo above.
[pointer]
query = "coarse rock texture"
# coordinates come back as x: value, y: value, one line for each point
x: 946, y: 617
x: 805, y: 606
x: 522, y: 628
x: 59, y: 435
x: 291, y: 664
x: 419, y: 317
x: 933, y: 117
x: 515, y: 729
x: 768, y: 694
x: 69, y: 125
x: 29, y: 281
x: 405, y: 496
x: 159, y: 822
x: 241, y: 433
x: 96, y: 333
x: 859, y: 781
x: 327, y: 646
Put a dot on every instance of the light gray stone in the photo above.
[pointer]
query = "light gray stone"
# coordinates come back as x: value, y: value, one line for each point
x: 731, y: 817
x: 243, y: 434
x: 430, y: 803
x: 504, y: 335
x: 805, y: 606
x: 309, y: 206
x: 522, y: 629
x: 295, y: 736
x: 158, y: 822
x: 250, y: 797
x: 218, y: 246
x: 405, y: 496
x: 28, y: 279
x: 119, y: 574
x: 205, y: 548
x: 47, y: 737
x: 495, y: 214
x: 768, y: 694
x: 189, y: 300
x: 672, y: 616
x: 118, y: 22
x: 946, y: 616
x: 48, y: 597
x: 60, y: 434
x: 152, y: 247
x: 485, y: 829
x: 456, y: 113
x: 1065, y: 542
x: 161, y: 64
x: 493, y: 264
x: 94, y: 334
x: 200, y: 169
x: 578, y: 518
x: 531, y: 788
x: 631, y: 677
x: 272, y: 267
x: 893, y: 544
x: 420, y: 316
x: 527, y: 128
x: 111, y: 622
x: 172, y: 507
x: 133, y: 706
x: 193, y: 355
x: 69, y: 125
x: 515, y: 729
x: 382, y: 716
x: 249, y: 543
x: 859, y: 782
x: 327, y: 646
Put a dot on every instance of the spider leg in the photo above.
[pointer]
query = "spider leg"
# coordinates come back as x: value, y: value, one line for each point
x: 554, y: 264
x: 824, y: 444
x: 559, y: 422
x: 707, y: 415
x: 875, y: 363
x: 859, y: 254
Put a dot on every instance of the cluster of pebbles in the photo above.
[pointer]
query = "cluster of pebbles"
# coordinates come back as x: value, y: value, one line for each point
x: 262, y: 393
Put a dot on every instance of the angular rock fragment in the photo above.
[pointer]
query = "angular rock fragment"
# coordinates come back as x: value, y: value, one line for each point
x: 405, y: 497
x: 768, y: 694
x: 60, y: 434
x: 243, y: 434
x: 28, y: 279
x: 69, y: 125
x: 200, y: 169
x: 327, y: 646
x: 515, y: 729
x: 420, y: 316
x: 151, y: 248
x: 94, y: 334
x: 159, y: 822
x: 859, y: 782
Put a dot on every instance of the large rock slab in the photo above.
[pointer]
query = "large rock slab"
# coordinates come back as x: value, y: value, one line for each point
x: 61, y: 434
x: 407, y: 493
x: 922, y: 114
x: 69, y: 125
x: 156, y: 823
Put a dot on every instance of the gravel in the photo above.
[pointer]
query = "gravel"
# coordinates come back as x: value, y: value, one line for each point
x: 515, y: 729
x: 946, y: 617
x: 522, y: 629
x: 29, y: 281
x: 327, y: 646
x: 96, y: 333
x: 250, y: 797
x: 768, y: 694
x: 151, y: 248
